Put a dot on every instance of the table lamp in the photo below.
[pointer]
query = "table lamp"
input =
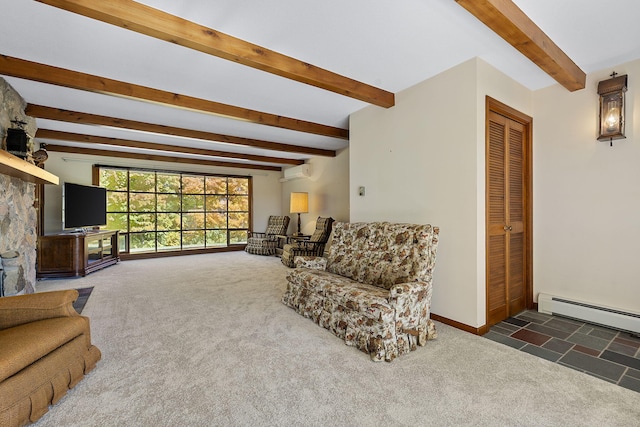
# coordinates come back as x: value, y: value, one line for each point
x: 299, y: 204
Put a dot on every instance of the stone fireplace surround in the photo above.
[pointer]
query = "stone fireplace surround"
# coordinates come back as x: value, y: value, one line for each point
x: 18, y: 216
x: 18, y: 231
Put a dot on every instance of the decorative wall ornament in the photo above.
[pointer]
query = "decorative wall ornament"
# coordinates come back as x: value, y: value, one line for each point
x: 18, y: 142
x: 41, y: 156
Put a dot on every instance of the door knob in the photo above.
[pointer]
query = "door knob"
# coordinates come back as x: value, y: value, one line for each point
x: 507, y: 228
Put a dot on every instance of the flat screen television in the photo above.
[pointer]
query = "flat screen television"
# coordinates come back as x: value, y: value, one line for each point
x: 83, y: 206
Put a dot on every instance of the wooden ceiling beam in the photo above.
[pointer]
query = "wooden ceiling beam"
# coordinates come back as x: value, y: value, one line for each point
x: 157, y: 158
x: 152, y: 22
x: 58, y: 114
x: 513, y: 25
x: 24, y: 69
x: 93, y: 139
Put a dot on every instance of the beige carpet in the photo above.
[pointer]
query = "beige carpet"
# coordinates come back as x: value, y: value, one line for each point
x: 203, y: 340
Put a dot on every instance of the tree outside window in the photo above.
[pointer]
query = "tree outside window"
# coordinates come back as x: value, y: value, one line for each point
x: 158, y: 211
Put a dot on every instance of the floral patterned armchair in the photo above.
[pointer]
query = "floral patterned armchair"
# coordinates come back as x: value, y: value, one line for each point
x: 265, y: 243
x: 312, y: 247
x: 373, y: 289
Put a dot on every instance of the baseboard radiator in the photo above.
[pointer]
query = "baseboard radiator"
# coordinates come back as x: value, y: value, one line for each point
x: 585, y: 312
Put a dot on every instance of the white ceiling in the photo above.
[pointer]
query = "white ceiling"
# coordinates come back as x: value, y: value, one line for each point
x: 388, y: 44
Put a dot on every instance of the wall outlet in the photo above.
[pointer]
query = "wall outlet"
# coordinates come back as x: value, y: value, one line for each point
x: 361, y: 191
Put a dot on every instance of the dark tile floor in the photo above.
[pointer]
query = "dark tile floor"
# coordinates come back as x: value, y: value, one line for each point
x: 83, y: 296
x: 604, y: 353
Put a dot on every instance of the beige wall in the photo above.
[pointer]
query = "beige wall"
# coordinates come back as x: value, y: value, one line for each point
x: 422, y: 161
x: 587, y: 197
x: 328, y: 188
x: 76, y: 168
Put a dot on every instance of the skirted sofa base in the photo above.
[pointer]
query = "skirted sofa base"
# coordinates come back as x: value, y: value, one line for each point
x: 364, y: 316
x: 45, y: 350
x: 374, y: 288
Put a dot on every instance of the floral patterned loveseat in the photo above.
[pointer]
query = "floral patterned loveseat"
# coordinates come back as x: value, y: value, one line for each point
x: 373, y: 289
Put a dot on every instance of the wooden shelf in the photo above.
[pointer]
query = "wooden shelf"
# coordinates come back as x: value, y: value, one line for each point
x: 18, y: 168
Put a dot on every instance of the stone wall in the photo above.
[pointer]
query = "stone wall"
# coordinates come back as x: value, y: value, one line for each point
x: 11, y: 108
x: 18, y: 231
x: 18, y: 216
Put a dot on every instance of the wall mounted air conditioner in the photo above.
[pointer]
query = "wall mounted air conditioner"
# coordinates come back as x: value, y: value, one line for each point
x: 599, y: 315
x: 296, y: 172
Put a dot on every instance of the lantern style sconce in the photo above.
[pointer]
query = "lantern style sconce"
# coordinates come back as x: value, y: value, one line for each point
x: 612, y: 107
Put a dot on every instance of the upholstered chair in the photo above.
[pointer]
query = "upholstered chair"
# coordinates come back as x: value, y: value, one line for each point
x: 265, y: 243
x: 312, y: 247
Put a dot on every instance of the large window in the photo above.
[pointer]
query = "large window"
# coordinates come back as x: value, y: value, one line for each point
x: 159, y: 211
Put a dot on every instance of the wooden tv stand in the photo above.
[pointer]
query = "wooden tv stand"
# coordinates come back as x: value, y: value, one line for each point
x: 76, y: 254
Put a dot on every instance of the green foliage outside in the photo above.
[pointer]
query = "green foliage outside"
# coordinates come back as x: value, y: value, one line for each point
x: 142, y: 202
x: 238, y: 236
x: 117, y: 221
x: 169, y: 203
x: 116, y: 202
x: 142, y: 181
x: 217, y: 238
x: 141, y: 242
x: 168, y: 183
x: 114, y: 179
x: 169, y: 241
x: 168, y: 221
x: 169, y: 211
x: 192, y: 203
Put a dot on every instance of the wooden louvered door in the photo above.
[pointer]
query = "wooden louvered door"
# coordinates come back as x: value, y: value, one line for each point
x: 508, y: 217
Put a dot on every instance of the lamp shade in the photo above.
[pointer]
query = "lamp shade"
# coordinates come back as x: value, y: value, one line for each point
x: 299, y: 203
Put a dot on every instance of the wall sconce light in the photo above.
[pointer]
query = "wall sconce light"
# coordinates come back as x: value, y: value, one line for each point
x: 299, y: 204
x: 612, y: 107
